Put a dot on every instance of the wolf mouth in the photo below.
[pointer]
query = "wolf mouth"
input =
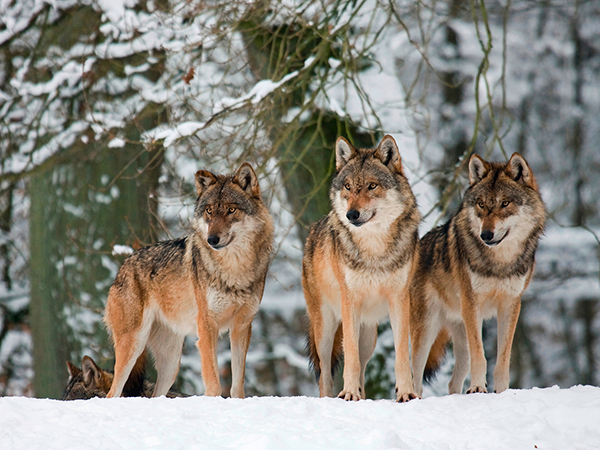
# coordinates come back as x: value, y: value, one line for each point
x: 360, y: 223
x: 221, y: 246
x: 497, y: 241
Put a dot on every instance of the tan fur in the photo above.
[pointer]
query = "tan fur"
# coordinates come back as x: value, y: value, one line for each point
x: 474, y: 267
x: 205, y: 283
x: 356, y: 266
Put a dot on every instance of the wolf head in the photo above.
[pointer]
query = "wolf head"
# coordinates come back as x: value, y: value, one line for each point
x: 226, y: 206
x: 369, y: 187
x: 88, y: 382
x: 503, y: 201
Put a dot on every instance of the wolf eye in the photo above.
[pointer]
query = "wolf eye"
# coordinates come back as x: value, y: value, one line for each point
x: 232, y: 210
x: 347, y: 186
x: 372, y: 186
x: 480, y: 204
x: 505, y: 203
x: 208, y: 210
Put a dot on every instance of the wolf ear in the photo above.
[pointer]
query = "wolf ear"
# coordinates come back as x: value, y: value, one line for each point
x: 389, y: 154
x: 518, y: 169
x: 478, y: 169
x: 73, y: 370
x: 92, y: 374
x: 343, y: 152
x: 246, y: 178
x: 203, y: 180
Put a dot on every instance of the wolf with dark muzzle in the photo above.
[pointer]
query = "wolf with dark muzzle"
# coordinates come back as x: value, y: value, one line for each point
x: 356, y: 267
x: 205, y: 283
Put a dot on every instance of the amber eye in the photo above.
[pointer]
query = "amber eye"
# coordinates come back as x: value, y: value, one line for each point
x: 372, y: 186
x: 232, y: 210
x: 347, y: 186
x: 480, y: 204
x: 208, y: 210
x: 505, y: 203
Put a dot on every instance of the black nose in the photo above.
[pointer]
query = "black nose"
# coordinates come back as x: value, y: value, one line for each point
x: 213, y: 240
x: 353, y: 215
x: 486, y: 235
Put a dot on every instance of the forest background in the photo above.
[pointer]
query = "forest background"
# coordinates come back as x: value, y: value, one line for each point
x: 108, y: 108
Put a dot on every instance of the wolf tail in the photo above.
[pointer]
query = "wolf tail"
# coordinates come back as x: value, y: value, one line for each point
x: 336, y: 353
x: 437, y: 355
x: 134, y: 386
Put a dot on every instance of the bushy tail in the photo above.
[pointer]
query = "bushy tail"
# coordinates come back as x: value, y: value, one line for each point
x: 134, y: 386
x: 437, y: 355
x: 336, y: 353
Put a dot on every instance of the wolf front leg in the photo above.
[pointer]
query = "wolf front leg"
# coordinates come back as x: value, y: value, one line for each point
x: 508, y: 314
x: 399, y: 306
x: 472, y: 320
x: 351, y: 332
x: 208, y: 334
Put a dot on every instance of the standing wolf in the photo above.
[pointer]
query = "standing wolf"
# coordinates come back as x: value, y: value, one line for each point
x: 356, y: 266
x: 207, y: 282
x: 476, y: 266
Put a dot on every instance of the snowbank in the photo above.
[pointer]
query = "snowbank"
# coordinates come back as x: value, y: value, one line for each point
x: 550, y: 418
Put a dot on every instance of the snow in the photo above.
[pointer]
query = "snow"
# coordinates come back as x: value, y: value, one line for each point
x: 549, y: 418
x: 122, y: 250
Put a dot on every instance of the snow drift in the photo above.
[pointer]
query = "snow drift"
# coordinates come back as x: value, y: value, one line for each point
x: 549, y: 418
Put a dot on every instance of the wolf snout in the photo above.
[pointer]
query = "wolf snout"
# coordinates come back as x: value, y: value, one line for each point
x: 213, y: 240
x: 353, y: 215
x: 487, y: 236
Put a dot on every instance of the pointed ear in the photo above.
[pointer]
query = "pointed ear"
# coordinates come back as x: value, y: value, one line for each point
x: 73, y: 370
x: 478, y: 169
x: 388, y: 154
x: 92, y: 374
x: 246, y: 178
x: 343, y: 152
x: 203, y: 180
x: 518, y: 169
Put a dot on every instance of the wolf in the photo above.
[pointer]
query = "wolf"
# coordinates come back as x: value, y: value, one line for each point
x: 474, y: 267
x: 356, y: 266
x: 205, y: 283
x: 91, y: 381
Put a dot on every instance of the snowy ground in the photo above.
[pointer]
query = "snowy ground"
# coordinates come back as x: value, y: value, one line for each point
x: 550, y: 418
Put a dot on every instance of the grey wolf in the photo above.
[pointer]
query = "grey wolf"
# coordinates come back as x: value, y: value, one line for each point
x: 205, y: 283
x: 91, y: 381
x: 356, y: 266
x: 474, y: 267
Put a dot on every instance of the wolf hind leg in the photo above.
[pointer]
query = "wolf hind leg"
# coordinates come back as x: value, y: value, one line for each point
x: 461, y: 357
x: 128, y: 348
x: 324, y: 335
x: 239, y: 336
x: 508, y: 315
x: 367, y: 342
x: 166, y: 346
x: 423, y: 335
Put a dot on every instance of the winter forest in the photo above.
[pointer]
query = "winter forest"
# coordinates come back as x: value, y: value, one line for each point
x: 109, y: 107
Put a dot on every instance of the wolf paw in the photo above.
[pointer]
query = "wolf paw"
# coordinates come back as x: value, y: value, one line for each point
x: 476, y: 389
x: 350, y: 395
x: 406, y: 397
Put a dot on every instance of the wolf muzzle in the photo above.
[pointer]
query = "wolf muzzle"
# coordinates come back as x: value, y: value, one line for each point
x: 487, y: 237
x: 216, y: 243
x: 354, y: 217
